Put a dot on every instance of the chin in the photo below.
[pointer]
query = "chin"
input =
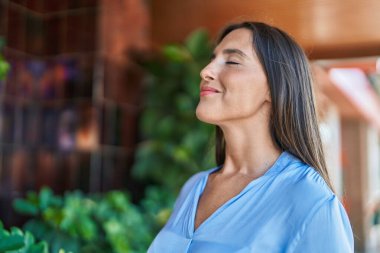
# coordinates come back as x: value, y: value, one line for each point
x: 206, y: 116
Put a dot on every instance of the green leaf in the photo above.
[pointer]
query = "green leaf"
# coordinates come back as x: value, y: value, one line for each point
x: 28, y: 239
x: 176, y: 53
x: 32, y: 197
x: 87, y: 228
x: 25, y: 207
x: 4, y: 68
x: 3, y: 234
x: 38, y: 228
x: 184, y: 102
x: 45, y: 196
x: 12, y: 242
x: 16, y: 231
x: 41, y: 247
x: 198, y: 44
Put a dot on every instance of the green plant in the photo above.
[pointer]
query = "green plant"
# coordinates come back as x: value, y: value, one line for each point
x: 157, y: 207
x: 97, y: 223
x: 17, y: 241
x: 4, y: 65
x: 175, y: 144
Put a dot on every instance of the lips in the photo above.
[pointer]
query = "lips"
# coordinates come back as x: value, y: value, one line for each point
x: 208, y: 91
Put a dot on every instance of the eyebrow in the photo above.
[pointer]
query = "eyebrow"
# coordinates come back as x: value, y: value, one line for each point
x: 230, y: 51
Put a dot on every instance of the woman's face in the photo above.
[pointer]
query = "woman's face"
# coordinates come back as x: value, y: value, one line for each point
x: 234, y: 86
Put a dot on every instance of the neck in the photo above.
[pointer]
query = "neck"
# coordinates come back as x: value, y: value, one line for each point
x: 250, y: 149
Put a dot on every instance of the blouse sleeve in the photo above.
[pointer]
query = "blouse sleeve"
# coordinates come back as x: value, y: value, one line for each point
x: 328, y: 230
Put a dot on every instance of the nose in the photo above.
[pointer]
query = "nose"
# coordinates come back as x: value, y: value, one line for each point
x: 207, y: 74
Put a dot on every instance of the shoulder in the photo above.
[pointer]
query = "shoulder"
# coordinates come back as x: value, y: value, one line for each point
x: 299, y: 180
x: 326, y: 229
x: 301, y: 188
x: 193, y: 181
x: 188, y: 189
x: 316, y: 211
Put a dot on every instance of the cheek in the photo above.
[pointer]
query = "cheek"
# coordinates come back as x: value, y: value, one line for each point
x: 245, y: 94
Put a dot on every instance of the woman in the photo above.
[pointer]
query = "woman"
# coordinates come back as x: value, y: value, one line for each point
x: 271, y: 191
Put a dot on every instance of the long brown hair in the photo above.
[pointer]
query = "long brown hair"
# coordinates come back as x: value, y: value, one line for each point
x: 293, y: 120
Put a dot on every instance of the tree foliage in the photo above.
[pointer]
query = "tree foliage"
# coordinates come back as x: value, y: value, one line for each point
x: 175, y: 144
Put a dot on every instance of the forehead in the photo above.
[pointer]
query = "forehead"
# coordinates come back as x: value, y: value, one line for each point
x: 240, y: 39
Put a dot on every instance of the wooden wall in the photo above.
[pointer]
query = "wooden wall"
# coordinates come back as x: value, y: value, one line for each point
x: 326, y: 29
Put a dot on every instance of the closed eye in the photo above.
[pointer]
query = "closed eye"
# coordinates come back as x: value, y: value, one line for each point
x: 232, y: 62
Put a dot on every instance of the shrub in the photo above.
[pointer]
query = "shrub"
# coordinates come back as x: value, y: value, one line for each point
x: 17, y: 241
x: 107, y: 222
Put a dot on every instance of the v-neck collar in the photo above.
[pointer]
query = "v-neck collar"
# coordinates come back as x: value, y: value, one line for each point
x: 274, y: 169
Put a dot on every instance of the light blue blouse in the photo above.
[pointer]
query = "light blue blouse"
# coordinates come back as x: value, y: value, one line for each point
x: 288, y: 209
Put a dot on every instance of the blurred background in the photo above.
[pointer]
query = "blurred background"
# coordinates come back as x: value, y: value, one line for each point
x: 97, y: 100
